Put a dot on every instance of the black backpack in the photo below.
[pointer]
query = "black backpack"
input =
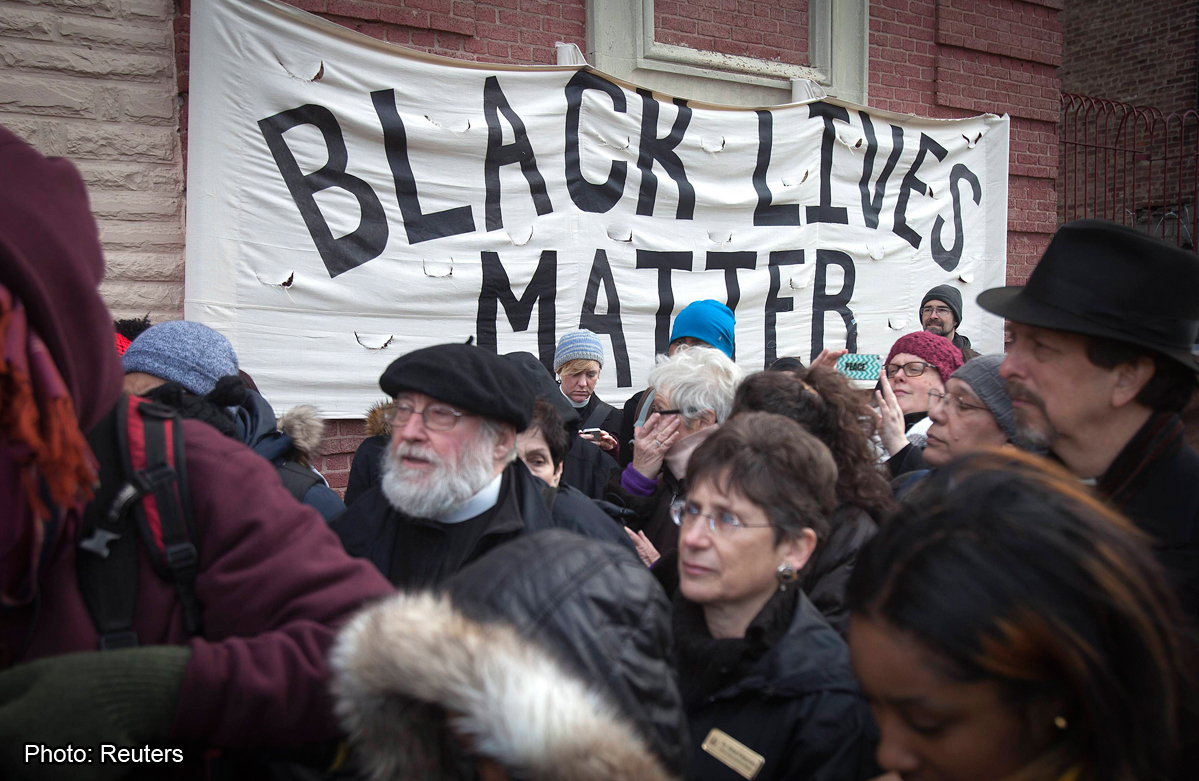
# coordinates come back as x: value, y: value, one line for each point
x: 143, y: 501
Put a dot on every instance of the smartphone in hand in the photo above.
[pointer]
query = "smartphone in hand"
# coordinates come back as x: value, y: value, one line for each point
x: 591, y: 433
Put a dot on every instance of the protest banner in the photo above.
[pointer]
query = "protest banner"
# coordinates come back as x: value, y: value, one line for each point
x: 349, y: 201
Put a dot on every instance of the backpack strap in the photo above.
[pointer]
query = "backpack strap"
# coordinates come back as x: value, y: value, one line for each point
x: 143, y: 486
x: 297, y: 479
x: 598, y: 415
x: 156, y: 466
x: 106, y: 559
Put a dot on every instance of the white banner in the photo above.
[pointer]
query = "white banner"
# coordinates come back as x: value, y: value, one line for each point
x: 350, y: 201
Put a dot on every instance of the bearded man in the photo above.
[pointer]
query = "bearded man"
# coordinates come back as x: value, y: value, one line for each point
x: 941, y: 314
x: 1098, y: 367
x: 452, y: 485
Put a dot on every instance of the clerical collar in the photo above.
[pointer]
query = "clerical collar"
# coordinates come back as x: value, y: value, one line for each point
x: 573, y: 403
x: 476, y: 505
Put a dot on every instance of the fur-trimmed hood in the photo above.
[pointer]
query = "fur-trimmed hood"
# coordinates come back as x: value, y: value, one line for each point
x: 304, y: 424
x: 378, y: 418
x: 402, y: 662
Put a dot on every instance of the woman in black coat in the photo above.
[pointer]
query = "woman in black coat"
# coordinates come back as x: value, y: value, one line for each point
x: 766, y: 682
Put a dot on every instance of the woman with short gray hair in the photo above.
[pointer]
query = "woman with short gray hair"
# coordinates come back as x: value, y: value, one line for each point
x: 690, y: 395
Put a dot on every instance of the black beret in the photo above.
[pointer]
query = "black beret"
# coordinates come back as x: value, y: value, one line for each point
x: 468, y: 377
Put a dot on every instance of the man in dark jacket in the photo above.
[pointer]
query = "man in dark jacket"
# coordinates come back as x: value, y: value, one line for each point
x: 452, y: 485
x: 1099, y: 366
x: 941, y: 314
x: 271, y: 578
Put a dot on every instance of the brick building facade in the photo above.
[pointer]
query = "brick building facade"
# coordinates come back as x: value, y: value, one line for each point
x: 104, y: 82
x: 1145, y: 53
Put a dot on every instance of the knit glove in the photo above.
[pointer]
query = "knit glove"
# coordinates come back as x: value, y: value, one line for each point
x: 122, y: 698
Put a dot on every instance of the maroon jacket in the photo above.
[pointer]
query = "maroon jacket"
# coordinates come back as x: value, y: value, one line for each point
x: 273, y: 580
x: 274, y: 583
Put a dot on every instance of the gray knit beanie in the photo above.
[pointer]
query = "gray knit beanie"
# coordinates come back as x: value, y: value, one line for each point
x: 982, y: 375
x: 579, y: 345
x: 191, y: 354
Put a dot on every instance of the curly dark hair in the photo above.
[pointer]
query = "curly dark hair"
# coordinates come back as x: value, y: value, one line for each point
x: 824, y: 403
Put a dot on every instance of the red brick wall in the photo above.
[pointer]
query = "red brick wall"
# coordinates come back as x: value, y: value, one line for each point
x: 776, y: 30
x: 952, y: 58
x: 1142, y: 53
x: 510, y: 31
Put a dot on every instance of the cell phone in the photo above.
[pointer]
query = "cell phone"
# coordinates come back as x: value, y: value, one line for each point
x: 591, y: 433
x: 860, y: 366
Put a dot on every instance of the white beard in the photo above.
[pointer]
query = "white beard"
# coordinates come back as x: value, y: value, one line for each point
x: 431, y: 492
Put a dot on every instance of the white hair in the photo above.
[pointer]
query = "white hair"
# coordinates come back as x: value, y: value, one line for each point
x: 495, y: 429
x: 698, y: 379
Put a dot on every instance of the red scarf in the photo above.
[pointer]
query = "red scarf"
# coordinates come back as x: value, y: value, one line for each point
x: 42, y: 451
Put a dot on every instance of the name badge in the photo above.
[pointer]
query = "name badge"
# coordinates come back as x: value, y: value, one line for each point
x: 733, y: 753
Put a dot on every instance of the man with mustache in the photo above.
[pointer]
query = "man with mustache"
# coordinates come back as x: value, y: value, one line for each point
x: 941, y: 314
x: 452, y: 486
x: 1098, y: 367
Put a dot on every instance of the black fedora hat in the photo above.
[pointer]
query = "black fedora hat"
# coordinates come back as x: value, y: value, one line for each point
x: 1103, y: 279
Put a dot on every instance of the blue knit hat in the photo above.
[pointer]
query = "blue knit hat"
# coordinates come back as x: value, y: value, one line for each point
x: 580, y: 345
x: 709, y: 321
x: 191, y: 354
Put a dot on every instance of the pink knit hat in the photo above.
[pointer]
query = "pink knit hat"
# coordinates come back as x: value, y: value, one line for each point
x: 937, y: 350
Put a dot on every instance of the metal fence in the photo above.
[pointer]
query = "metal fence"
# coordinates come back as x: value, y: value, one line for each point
x: 1130, y: 164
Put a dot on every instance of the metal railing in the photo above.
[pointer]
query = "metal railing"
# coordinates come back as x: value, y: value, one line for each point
x: 1130, y: 164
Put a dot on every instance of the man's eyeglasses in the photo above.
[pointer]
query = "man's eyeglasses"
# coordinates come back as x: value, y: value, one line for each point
x: 436, y: 417
x: 940, y: 311
x: 956, y: 405
x: 665, y: 411
x: 913, y: 369
x: 722, y: 524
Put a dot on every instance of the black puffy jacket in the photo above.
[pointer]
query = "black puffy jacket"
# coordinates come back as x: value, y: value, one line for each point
x: 826, y: 574
x: 600, y: 610
x: 799, y: 707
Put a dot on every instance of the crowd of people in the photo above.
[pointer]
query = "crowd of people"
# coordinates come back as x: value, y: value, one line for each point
x: 973, y: 568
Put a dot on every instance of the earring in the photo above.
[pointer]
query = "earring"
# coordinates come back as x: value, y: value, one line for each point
x: 786, y: 575
x: 1060, y: 722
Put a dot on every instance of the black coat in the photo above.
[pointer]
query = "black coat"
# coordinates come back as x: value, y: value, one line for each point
x: 628, y: 417
x: 587, y: 468
x: 827, y: 573
x: 602, y: 614
x: 366, y: 469
x: 799, y: 707
x: 1155, y: 482
x: 651, y: 514
x: 368, y: 528
x: 910, y: 459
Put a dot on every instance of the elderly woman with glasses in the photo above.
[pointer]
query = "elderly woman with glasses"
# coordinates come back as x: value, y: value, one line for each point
x: 690, y: 394
x: 766, y: 682
x: 973, y: 413
x: 918, y: 363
